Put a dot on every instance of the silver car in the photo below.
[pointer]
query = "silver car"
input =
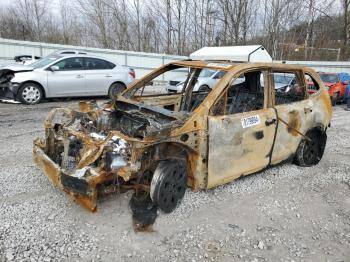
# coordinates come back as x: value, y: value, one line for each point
x: 64, y: 75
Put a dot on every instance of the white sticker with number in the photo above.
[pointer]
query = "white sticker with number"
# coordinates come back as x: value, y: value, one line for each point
x: 250, y: 121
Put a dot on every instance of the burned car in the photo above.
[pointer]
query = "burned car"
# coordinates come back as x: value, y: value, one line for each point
x: 158, y: 144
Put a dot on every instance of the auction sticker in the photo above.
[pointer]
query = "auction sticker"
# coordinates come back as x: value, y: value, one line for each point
x: 250, y: 121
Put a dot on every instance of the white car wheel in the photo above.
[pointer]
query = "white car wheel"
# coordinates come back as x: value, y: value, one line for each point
x: 30, y: 94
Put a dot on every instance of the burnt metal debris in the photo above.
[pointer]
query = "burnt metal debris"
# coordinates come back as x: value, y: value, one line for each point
x: 159, y: 144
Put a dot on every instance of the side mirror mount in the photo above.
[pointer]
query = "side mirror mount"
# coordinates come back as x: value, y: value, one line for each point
x: 54, y: 68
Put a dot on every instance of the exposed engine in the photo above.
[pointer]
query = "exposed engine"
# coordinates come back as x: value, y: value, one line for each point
x: 70, y: 151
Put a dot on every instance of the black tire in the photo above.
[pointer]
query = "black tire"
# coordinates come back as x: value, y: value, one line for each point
x: 30, y: 94
x: 169, y: 184
x: 204, y: 88
x: 334, y: 99
x: 309, y: 153
x: 115, y: 89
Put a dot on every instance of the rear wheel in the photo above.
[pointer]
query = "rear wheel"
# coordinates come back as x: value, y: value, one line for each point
x: 116, y: 89
x: 309, y: 153
x: 169, y: 184
x: 30, y: 94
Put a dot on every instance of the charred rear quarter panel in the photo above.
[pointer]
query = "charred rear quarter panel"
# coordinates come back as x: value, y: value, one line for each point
x: 304, y: 115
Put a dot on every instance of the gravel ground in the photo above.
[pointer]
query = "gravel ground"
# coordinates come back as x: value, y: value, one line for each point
x: 285, y: 213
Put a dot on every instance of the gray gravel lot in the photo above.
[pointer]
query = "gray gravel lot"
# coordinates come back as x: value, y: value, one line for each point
x: 285, y: 213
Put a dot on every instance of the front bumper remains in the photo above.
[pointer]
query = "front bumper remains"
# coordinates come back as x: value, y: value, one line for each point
x: 86, y: 165
x: 78, y: 188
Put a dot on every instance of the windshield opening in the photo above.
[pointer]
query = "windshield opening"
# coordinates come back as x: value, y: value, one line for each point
x: 45, y: 61
x: 176, y: 88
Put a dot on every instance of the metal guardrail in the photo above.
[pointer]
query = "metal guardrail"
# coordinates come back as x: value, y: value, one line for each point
x: 42, y: 46
x: 142, y: 62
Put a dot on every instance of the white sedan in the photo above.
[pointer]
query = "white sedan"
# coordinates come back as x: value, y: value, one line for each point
x: 64, y: 75
x: 207, y: 79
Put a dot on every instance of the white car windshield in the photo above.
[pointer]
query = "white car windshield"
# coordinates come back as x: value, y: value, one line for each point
x: 45, y: 61
x: 206, y: 73
x: 283, y: 78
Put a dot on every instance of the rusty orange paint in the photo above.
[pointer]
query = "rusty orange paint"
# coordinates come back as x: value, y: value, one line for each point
x: 294, y: 122
x: 51, y: 170
x: 90, y: 203
x: 195, y: 125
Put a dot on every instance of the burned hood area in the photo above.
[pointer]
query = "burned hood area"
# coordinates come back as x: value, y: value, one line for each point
x: 143, y: 121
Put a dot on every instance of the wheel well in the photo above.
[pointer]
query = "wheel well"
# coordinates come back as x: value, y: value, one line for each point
x: 318, y: 137
x: 154, y: 154
x: 37, y: 83
x: 164, y: 151
x: 167, y: 150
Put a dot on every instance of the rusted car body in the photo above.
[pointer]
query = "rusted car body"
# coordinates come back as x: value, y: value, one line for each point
x: 206, y: 139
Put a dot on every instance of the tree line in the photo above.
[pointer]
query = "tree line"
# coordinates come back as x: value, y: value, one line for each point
x: 289, y: 29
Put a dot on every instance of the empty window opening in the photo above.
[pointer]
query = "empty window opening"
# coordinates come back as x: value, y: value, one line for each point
x: 312, y: 85
x: 246, y: 93
x: 288, y: 88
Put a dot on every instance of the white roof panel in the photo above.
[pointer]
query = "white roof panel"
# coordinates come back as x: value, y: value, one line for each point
x: 249, y: 53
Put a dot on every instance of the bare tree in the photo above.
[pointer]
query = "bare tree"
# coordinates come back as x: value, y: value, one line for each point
x: 98, y: 15
x: 181, y: 26
x: 346, y: 29
x: 33, y: 14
